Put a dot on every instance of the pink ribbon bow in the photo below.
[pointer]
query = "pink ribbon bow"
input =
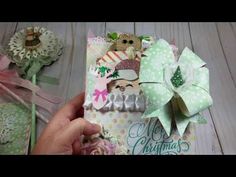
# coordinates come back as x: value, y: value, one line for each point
x: 103, y: 93
x: 11, y: 83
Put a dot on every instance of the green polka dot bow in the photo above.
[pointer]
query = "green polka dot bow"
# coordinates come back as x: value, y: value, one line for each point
x: 174, y: 89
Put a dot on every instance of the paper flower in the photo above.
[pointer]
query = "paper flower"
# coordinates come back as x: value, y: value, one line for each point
x: 98, y: 147
x: 32, y: 48
x: 182, y: 86
x: 102, y: 144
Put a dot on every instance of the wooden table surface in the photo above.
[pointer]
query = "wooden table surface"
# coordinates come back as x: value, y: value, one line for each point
x: 215, y: 43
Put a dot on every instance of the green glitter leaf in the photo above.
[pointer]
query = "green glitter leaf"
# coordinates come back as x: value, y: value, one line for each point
x: 147, y: 38
x: 112, y: 36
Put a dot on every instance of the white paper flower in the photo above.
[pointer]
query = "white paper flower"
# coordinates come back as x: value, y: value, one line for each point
x: 32, y: 48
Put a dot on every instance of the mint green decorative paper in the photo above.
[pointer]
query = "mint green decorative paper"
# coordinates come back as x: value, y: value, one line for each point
x: 15, y: 121
x: 181, y: 86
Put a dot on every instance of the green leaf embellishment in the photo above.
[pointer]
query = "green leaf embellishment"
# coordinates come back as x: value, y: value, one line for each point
x: 147, y: 38
x: 177, y: 79
x: 115, y: 74
x: 34, y: 68
x: 103, y: 70
x: 112, y: 36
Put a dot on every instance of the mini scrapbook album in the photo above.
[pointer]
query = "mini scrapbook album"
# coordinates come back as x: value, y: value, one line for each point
x: 21, y: 61
x: 145, y: 94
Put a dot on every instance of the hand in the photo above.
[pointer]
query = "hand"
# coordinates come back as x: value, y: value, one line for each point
x: 63, y: 133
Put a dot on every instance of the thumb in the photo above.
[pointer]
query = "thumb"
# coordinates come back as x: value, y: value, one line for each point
x: 76, y: 128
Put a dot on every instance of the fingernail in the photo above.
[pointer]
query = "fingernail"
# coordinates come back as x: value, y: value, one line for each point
x: 96, y: 127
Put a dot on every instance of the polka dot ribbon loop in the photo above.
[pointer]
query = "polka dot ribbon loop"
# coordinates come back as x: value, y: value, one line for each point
x: 182, y: 86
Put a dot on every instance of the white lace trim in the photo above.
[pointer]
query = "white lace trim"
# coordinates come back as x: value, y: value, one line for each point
x: 97, y: 40
x: 132, y: 103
